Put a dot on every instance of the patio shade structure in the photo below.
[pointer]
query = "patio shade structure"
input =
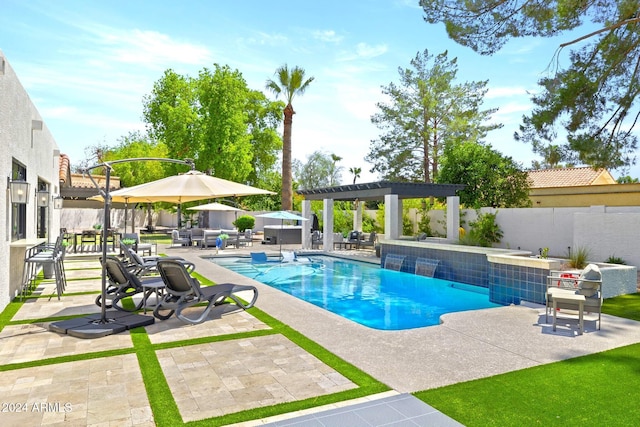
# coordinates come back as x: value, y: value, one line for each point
x: 186, y: 187
x: 215, y: 207
x: 282, y: 215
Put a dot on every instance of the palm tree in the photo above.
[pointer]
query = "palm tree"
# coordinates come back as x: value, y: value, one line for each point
x: 355, y: 171
x: 289, y: 83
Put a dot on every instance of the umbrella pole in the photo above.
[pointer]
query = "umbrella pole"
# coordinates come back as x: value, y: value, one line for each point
x: 280, y: 237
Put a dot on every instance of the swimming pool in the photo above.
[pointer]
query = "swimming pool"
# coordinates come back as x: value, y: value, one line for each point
x: 363, y: 292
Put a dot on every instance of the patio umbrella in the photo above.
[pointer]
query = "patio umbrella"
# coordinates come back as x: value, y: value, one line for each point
x: 186, y: 187
x: 282, y: 215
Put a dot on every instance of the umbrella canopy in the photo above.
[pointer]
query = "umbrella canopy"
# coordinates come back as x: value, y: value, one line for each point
x: 214, y: 207
x: 187, y: 187
x: 282, y: 215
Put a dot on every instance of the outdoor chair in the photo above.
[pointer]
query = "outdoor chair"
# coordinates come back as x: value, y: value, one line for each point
x: 122, y: 284
x: 48, y: 257
x: 588, y: 284
x: 245, y: 239
x: 177, y: 239
x: 353, y: 240
x: 369, y: 243
x: 316, y: 239
x: 138, y: 246
x: 90, y: 239
x: 142, y: 266
x: 183, y: 291
x: 197, y: 236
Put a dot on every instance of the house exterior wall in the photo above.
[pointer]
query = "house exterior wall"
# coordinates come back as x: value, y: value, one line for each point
x: 37, y: 150
x: 587, y: 195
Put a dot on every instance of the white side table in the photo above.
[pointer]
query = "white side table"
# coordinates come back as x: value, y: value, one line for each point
x: 571, y: 299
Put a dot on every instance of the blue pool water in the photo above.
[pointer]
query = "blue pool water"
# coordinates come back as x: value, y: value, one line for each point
x: 365, y: 293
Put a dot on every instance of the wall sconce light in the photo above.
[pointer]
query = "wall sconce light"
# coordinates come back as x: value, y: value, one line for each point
x: 19, y: 190
x: 57, y: 202
x: 42, y: 198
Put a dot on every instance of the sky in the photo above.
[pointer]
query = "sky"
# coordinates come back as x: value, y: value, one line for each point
x: 87, y: 65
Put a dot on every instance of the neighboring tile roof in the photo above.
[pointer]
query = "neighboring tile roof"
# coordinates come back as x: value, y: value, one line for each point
x: 83, y: 181
x: 569, y: 177
x: 64, y: 174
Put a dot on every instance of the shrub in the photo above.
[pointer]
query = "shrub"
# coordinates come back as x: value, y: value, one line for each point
x: 578, y: 257
x: 244, y: 222
x: 615, y: 260
x: 484, y: 230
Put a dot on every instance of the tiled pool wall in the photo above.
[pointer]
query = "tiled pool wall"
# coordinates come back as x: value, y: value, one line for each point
x: 510, y: 276
x: 508, y: 281
x: 463, y: 267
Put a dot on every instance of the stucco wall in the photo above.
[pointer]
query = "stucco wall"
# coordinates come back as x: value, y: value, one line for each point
x: 37, y: 150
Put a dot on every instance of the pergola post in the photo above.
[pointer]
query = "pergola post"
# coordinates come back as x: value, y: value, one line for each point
x: 357, y: 216
x: 306, y: 231
x: 453, y: 218
x: 391, y: 229
x: 327, y: 224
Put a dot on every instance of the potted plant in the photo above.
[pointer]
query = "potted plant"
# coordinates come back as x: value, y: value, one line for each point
x: 244, y: 222
x: 128, y: 242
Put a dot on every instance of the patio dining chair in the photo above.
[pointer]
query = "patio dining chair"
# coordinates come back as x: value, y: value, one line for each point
x: 183, y: 291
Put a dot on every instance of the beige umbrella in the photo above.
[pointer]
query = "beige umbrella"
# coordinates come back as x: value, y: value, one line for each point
x: 214, y: 207
x: 186, y: 187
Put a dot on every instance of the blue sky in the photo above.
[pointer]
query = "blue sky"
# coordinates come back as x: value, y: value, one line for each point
x: 88, y: 64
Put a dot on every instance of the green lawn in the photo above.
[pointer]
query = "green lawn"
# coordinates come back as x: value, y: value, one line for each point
x: 598, y: 389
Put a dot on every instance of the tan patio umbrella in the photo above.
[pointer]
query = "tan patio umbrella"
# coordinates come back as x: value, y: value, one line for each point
x: 214, y: 207
x: 186, y: 187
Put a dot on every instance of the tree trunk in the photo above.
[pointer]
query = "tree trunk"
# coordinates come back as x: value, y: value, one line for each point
x: 287, y: 188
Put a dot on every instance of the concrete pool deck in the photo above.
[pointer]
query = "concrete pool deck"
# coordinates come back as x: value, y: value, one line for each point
x: 466, y: 346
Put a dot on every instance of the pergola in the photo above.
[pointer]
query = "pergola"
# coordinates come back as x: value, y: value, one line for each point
x: 391, y: 192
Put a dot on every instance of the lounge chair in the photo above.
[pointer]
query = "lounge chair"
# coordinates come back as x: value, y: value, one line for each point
x: 141, y: 266
x: 588, y: 283
x: 123, y: 284
x: 183, y: 291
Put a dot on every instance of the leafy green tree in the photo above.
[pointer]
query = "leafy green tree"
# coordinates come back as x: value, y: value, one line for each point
x: 288, y: 83
x: 491, y: 179
x: 427, y: 111
x: 594, y: 99
x: 319, y: 171
x: 627, y: 179
x: 132, y: 146
x: 228, y: 129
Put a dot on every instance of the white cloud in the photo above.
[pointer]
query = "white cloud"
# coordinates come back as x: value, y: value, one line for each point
x: 363, y: 51
x: 327, y: 36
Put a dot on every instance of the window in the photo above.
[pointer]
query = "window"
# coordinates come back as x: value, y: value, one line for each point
x: 18, y: 211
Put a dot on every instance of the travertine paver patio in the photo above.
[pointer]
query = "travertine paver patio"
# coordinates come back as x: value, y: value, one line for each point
x: 99, y: 392
x: 174, y: 329
x: 26, y: 343
x: 214, y: 379
x: 206, y: 380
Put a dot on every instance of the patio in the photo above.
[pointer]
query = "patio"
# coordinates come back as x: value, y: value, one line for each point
x: 237, y: 361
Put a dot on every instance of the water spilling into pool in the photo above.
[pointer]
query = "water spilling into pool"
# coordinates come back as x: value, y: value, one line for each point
x: 363, y: 292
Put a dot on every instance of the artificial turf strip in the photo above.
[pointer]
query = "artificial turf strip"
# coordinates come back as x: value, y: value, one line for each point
x: 627, y: 306
x: 597, y: 389
x: 163, y: 405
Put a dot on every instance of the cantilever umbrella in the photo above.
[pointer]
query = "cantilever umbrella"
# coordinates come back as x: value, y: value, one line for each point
x: 186, y: 187
x: 282, y: 215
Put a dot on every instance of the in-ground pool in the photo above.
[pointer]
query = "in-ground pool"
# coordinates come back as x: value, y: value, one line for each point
x: 363, y: 292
